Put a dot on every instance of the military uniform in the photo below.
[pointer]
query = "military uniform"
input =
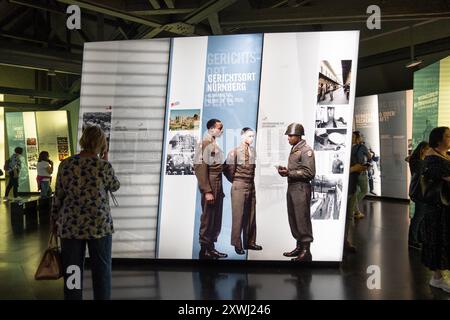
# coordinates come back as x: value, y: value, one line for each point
x: 301, y: 170
x: 208, y: 167
x: 240, y: 171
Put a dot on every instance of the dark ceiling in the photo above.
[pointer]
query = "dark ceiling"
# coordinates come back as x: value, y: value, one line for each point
x: 33, y: 34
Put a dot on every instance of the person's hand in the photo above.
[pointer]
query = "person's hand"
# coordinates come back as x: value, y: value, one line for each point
x: 209, y: 197
x: 283, y: 171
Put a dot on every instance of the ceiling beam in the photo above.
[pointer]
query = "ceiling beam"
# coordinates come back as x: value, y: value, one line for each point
x: 403, y: 54
x: 36, y: 5
x: 187, y: 25
x: 213, y: 20
x: 206, y: 10
x: 161, y: 12
x: 23, y: 56
x: 11, y: 17
x: 19, y: 106
x: 155, y: 4
x: 37, y: 93
x: 170, y: 4
x: 392, y: 11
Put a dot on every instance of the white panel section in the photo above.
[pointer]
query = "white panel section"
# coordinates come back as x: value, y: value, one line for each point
x: 179, y: 191
x: 52, y: 125
x: 290, y: 72
x: 128, y: 79
x: 367, y: 122
x: 32, y: 153
x: 409, y: 129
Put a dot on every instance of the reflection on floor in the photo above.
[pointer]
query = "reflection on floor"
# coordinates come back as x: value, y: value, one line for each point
x: 381, y: 238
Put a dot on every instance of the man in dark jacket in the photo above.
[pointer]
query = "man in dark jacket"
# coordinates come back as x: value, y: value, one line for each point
x: 300, y: 171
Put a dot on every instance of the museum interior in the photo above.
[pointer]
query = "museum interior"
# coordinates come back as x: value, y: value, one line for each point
x: 224, y: 150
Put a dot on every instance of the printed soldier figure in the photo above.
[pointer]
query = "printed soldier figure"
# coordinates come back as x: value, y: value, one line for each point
x: 300, y: 171
x: 208, y: 167
x: 240, y: 171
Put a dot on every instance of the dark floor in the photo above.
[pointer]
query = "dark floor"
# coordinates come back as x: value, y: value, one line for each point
x: 381, y: 239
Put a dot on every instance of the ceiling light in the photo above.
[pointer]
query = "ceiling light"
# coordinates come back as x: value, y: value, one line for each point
x: 413, y: 63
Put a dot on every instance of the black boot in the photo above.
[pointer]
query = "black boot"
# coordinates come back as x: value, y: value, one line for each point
x: 294, y: 252
x: 304, y: 254
x: 207, y: 254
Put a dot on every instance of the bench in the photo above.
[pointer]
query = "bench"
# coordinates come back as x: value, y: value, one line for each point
x: 29, y: 212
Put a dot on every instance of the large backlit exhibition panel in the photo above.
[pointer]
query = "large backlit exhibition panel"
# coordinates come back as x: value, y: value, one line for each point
x: 2, y: 133
x: 154, y: 97
x: 36, y: 132
x: 431, y: 99
x: 123, y: 90
x: 384, y: 121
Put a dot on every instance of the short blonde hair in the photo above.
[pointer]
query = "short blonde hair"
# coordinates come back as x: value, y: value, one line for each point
x: 93, y: 139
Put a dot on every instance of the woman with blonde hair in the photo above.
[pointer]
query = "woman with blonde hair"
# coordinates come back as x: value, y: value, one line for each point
x: 81, y: 214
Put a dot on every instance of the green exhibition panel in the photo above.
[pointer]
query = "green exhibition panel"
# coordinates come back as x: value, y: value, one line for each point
x: 431, y: 99
x: 36, y: 132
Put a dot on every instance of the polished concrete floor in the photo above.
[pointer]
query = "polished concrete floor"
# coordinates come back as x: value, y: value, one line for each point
x: 381, y: 238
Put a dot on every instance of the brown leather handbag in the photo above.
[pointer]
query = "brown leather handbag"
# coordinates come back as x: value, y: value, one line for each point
x: 50, y: 267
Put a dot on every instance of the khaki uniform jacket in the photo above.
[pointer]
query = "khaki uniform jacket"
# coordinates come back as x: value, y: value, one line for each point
x: 301, y: 163
x: 240, y: 164
x: 208, y: 164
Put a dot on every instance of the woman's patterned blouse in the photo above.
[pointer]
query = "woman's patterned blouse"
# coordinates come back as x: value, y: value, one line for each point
x: 81, y: 203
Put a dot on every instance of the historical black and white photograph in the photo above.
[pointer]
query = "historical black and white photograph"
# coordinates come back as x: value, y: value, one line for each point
x: 331, y: 117
x: 337, y: 162
x: 102, y: 119
x: 180, y: 154
x: 330, y: 139
x: 330, y: 162
x: 326, y: 197
x: 333, y: 87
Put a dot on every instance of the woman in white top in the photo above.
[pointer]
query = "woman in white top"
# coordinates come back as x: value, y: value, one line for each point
x: 44, y: 174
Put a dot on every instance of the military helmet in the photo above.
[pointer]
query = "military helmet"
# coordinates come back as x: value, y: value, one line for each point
x: 295, y: 129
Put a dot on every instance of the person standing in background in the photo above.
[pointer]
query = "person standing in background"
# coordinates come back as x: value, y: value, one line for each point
x: 355, y: 170
x: 44, y: 174
x: 436, y: 222
x: 359, y: 154
x: 416, y: 161
x: 13, y: 166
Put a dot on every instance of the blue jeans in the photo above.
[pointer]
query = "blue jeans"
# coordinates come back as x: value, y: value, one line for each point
x: 46, y: 190
x: 73, y: 252
x: 13, y: 183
